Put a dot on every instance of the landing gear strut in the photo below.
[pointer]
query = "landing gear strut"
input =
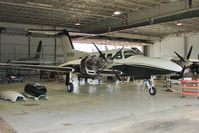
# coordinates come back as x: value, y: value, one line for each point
x: 68, y: 83
x: 151, y: 87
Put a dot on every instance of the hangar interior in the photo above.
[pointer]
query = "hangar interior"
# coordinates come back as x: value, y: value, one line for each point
x: 158, y: 27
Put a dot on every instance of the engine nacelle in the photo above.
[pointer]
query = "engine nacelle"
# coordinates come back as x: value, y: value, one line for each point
x: 91, y: 64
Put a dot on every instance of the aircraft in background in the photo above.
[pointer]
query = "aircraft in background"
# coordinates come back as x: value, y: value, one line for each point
x: 122, y: 62
x: 30, y: 60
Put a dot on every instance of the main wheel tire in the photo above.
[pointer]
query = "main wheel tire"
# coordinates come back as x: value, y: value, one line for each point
x: 70, y: 87
x: 152, y: 91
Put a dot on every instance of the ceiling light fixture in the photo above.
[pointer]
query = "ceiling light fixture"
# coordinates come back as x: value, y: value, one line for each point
x: 117, y: 12
x: 179, y: 23
x: 77, y: 21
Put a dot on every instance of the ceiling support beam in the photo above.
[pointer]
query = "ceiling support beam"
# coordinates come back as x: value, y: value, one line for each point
x: 171, y: 12
x: 57, y: 10
x: 131, y: 36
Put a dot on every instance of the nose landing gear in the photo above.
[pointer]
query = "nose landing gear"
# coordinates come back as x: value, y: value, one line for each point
x: 152, y: 91
x: 151, y: 87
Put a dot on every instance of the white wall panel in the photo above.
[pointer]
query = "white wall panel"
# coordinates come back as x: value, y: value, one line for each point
x: 168, y: 45
x: 165, y: 48
x: 193, y: 40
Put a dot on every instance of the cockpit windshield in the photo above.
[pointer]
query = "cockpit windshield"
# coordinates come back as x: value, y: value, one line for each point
x: 132, y: 52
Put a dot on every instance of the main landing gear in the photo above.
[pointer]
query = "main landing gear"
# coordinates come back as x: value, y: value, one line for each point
x: 68, y: 83
x: 151, y: 87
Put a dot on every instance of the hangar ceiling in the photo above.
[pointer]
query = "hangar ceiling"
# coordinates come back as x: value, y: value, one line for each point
x: 140, y: 20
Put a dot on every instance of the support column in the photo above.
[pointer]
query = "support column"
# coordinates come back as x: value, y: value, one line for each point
x: 55, y: 52
x: 55, y: 47
x: 146, y: 50
x: 185, y: 46
x: 28, y: 46
x: 0, y: 49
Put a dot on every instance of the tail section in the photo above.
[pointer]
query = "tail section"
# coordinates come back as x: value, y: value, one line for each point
x: 38, y: 51
x: 66, y: 44
x: 68, y: 49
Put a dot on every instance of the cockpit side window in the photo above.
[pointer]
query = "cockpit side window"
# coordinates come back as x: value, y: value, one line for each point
x: 119, y: 55
x: 132, y: 52
x: 101, y: 56
x: 137, y: 51
x: 129, y: 53
x: 109, y: 56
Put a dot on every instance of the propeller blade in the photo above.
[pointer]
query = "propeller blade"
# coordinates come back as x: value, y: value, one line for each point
x: 189, y: 54
x: 179, y: 56
x: 117, y: 53
x: 118, y: 77
x: 182, y: 72
x: 100, y: 52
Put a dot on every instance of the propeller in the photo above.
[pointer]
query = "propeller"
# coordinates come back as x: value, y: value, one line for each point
x: 189, y: 54
x: 179, y: 56
x: 117, y: 53
x: 118, y: 77
x: 100, y: 52
x: 105, y: 59
x: 182, y: 72
x: 185, y: 61
x: 103, y: 55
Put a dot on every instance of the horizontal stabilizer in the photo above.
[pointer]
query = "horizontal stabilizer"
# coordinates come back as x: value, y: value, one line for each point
x: 38, y: 67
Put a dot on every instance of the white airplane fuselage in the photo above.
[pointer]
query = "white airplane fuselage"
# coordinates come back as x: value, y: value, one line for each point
x: 135, y: 65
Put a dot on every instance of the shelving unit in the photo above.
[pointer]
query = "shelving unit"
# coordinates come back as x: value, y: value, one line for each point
x: 190, y: 86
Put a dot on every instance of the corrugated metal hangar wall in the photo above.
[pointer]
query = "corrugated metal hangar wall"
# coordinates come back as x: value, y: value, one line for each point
x: 16, y: 45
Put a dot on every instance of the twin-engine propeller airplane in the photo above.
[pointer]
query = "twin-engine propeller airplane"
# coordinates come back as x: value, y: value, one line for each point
x: 123, y: 62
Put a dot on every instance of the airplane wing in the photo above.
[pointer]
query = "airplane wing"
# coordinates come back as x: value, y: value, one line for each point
x: 37, y: 67
x: 71, y: 63
x: 194, y: 60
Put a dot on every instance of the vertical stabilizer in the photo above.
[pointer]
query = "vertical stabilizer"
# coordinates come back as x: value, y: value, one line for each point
x: 68, y: 49
x: 67, y: 46
x: 38, y: 51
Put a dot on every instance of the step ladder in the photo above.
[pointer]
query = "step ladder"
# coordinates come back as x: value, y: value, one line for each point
x: 189, y: 87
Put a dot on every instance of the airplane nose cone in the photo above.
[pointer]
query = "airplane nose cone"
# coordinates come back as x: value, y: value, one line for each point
x: 166, y: 64
x: 174, y: 67
x: 159, y: 63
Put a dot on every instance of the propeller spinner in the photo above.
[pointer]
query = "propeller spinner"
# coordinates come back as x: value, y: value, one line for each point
x: 184, y: 67
x: 109, y: 61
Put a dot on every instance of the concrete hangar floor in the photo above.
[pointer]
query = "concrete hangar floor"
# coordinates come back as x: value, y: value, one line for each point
x: 99, y: 108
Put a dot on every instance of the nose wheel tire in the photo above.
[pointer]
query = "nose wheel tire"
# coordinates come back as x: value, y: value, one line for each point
x: 152, y: 91
x: 70, y: 87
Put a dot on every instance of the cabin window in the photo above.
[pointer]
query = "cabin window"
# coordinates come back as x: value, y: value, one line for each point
x: 129, y: 53
x: 109, y: 56
x: 94, y: 56
x: 119, y: 55
x: 138, y: 52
